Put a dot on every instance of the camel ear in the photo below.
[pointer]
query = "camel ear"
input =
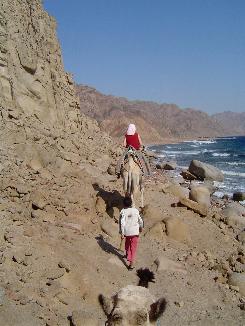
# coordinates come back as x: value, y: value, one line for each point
x: 157, y: 309
x: 106, y: 304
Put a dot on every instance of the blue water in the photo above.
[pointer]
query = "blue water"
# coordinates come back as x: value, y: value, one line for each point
x: 227, y: 154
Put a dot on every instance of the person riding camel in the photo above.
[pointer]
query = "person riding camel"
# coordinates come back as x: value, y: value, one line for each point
x: 132, y: 140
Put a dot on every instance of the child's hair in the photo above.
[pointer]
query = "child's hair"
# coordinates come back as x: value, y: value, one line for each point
x: 127, y: 201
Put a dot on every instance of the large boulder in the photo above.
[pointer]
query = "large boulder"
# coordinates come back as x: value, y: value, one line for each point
x: 177, y: 191
x: 151, y: 213
x: 232, y: 218
x: 196, y: 207
x: 238, y: 279
x: 177, y: 230
x: 157, y: 232
x: 205, y: 171
x: 201, y: 195
x: 237, y: 207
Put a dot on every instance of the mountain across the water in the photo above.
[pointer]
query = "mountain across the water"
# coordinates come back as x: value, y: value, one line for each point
x: 156, y: 122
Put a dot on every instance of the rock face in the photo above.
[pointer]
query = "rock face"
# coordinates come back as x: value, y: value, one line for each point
x: 205, y: 171
x: 50, y: 155
x: 32, y: 79
x: 37, y: 95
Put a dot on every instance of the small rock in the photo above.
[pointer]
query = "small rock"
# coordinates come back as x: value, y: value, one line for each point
x: 38, y: 200
x: 179, y: 304
x: 234, y: 288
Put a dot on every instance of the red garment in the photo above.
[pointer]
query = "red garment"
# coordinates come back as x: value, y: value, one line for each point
x: 131, y: 243
x: 133, y: 140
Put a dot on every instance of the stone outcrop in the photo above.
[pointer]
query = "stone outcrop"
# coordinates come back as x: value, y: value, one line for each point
x: 205, y: 171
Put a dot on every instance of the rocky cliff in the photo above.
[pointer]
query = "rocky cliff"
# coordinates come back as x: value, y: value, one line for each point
x: 156, y: 122
x: 37, y: 95
x: 50, y: 156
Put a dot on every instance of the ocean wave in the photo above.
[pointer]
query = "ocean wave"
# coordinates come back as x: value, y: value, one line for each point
x: 239, y: 174
x: 221, y: 154
x: 161, y: 155
x: 236, y: 163
x: 201, y: 142
x: 227, y: 138
x: 220, y: 194
x: 183, y: 152
x: 183, y: 167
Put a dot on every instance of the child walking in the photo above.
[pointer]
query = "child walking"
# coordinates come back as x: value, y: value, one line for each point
x: 130, y: 225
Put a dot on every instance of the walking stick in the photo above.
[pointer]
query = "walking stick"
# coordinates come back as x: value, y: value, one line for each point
x: 121, y: 245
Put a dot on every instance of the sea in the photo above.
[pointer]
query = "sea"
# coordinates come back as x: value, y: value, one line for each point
x: 225, y: 153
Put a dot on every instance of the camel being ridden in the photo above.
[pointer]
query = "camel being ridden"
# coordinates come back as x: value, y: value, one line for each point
x: 132, y: 178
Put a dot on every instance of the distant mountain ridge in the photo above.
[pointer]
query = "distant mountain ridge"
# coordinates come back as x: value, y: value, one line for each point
x: 156, y: 122
x: 232, y: 122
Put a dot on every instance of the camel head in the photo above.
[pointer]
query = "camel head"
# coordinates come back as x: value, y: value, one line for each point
x: 134, y: 305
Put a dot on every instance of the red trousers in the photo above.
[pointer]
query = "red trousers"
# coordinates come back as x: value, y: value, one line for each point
x: 131, y: 243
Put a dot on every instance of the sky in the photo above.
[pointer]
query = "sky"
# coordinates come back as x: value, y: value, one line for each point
x: 187, y: 52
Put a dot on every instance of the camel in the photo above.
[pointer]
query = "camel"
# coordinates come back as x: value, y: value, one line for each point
x: 132, y: 179
x: 133, y: 305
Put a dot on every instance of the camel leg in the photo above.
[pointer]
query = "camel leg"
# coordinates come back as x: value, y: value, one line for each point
x: 125, y: 182
x: 133, y: 202
x: 142, y: 197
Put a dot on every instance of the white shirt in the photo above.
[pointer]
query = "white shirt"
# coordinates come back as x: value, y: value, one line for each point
x: 130, y: 221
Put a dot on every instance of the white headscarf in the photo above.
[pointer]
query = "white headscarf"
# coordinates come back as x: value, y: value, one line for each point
x: 131, y: 129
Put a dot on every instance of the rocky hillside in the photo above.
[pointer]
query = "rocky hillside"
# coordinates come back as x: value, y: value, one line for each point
x: 232, y: 122
x: 156, y: 122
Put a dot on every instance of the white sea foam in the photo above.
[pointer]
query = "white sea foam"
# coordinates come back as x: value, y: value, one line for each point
x: 201, y: 142
x: 221, y: 154
x: 182, y: 152
x: 218, y: 194
x: 239, y: 174
x: 183, y: 167
x: 161, y: 155
x: 236, y: 163
x: 227, y: 138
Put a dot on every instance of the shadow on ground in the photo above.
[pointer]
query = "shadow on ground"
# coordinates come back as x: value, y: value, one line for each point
x: 111, y: 198
x: 109, y: 248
